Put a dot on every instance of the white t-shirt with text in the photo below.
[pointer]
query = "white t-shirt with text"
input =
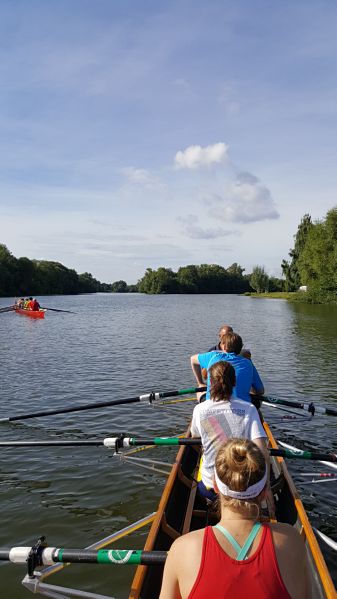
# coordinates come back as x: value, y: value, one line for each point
x: 216, y: 422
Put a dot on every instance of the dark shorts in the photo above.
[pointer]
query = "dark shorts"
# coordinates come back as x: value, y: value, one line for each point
x: 206, y: 493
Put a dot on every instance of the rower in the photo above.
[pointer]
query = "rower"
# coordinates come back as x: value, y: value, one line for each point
x: 224, y: 329
x: 35, y: 306
x: 247, y: 376
x: 239, y: 557
x: 221, y: 418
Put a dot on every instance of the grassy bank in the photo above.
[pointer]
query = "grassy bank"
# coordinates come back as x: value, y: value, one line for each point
x: 287, y: 295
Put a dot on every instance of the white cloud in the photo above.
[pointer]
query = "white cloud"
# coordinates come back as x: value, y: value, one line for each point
x: 246, y: 201
x: 141, y: 178
x: 137, y: 175
x: 192, y: 229
x: 197, y: 156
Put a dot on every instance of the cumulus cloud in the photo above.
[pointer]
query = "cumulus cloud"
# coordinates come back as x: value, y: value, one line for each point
x: 246, y: 201
x: 138, y: 175
x: 194, y: 157
x: 193, y: 230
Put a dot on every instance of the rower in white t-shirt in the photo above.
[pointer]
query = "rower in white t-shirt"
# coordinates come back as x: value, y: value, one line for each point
x: 222, y: 418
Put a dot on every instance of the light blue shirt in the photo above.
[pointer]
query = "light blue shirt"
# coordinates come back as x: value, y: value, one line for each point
x: 245, y: 372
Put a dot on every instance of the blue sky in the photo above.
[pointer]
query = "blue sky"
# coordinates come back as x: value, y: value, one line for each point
x: 139, y: 134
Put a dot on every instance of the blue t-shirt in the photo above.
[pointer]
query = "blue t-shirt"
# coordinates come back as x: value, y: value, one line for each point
x: 246, y: 374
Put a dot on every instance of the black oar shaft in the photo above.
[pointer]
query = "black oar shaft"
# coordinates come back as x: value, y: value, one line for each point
x: 102, y: 404
x: 75, y: 443
x: 57, y: 310
x: 303, y: 455
x: 123, y: 441
x: 309, y: 407
x: 92, y: 406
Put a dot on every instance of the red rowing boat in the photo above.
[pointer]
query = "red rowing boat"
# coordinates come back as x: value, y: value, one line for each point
x: 31, y: 313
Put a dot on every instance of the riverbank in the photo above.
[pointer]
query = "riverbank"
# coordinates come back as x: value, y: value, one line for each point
x: 286, y: 295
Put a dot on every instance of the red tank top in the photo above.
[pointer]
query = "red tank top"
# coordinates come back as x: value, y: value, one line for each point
x: 221, y: 576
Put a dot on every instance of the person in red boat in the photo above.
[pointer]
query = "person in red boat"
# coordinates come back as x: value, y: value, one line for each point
x: 239, y: 557
x: 34, y: 305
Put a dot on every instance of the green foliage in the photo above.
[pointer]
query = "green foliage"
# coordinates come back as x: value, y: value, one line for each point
x: 206, y: 278
x: 276, y: 284
x: 88, y: 284
x: 24, y: 277
x: 163, y: 280
x: 314, y: 259
x: 293, y: 279
x: 317, y: 262
x: 259, y: 279
x: 119, y: 287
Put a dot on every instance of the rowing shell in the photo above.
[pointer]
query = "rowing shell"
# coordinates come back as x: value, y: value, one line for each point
x: 31, y: 313
x: 182, y: 510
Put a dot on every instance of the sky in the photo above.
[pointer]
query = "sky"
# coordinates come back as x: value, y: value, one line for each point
x: 139, y: 134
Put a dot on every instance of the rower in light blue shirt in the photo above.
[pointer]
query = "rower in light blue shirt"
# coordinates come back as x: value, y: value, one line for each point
x: 247, y: 377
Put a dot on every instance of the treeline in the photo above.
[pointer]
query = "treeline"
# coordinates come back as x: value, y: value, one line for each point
x: 21, y: 276
x: 313, y: 260
x: 206, y: 278
x: 313, y: 263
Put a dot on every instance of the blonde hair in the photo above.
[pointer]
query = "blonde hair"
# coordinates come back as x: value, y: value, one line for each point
x: 240, y: 464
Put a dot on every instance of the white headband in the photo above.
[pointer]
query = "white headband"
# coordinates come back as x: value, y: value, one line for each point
x: 249, y: 493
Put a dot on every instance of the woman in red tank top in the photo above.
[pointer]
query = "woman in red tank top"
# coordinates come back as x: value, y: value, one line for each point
x: 240, y: 558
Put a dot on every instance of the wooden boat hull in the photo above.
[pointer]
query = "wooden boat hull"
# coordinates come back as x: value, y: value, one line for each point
x: 31, y: 313
x: 182, y: 510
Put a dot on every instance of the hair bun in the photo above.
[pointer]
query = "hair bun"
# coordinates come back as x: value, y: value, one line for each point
x: 240, y: 464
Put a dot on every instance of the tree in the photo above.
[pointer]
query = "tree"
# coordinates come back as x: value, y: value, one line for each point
x: 235, y: 269
x: 163, y: 280
x: 317, y: 263
x: 259, y: 279
x: 188, y: 279
x: 290, y: 269
x: 119, y: 287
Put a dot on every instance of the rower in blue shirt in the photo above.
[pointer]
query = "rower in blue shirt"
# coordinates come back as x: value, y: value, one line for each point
x: 247, y: 377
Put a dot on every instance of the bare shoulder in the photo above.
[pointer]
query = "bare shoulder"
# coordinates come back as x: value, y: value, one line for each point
x: 285, y: 535
x: 187, y: 542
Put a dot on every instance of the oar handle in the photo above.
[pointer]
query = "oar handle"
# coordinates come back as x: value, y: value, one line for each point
x: 47, y: 556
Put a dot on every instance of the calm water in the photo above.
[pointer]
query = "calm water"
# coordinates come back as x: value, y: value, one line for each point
x: 118, y: 346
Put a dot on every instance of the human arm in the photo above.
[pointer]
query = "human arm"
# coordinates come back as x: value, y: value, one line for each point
x: 292, y: 560
x: 196, y: 369
x: 170, y: 585
x: 195, y: 429
x: 257, y: 387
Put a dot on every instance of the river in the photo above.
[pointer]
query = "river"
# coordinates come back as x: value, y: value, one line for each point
x: 117, y: 346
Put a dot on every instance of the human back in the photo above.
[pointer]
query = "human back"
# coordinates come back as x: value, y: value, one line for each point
x: 247, y: 376
x: 223, y: 417
x: 275, y: 565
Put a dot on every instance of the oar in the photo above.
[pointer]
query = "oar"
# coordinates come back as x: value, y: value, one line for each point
x: 122, y: 441
x: 309, y: 407
x: 293, y: 449
x: 56, y: 310
x: 7, y: 309
x: 326, y: 539
x: 150, y: 397
x: 53, y: 555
